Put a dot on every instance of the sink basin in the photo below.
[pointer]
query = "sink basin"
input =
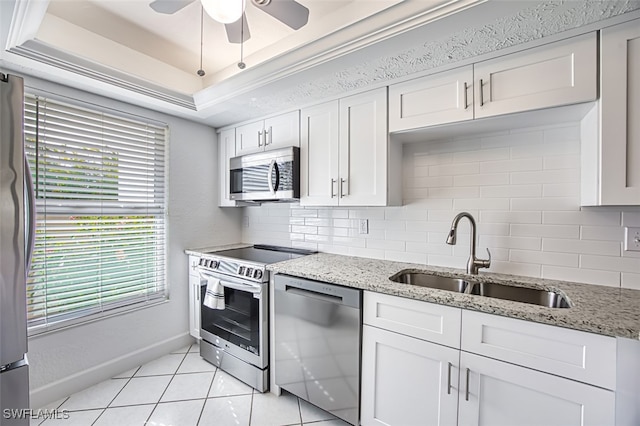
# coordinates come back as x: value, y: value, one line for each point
x: 432, y: 281
x: 550, y: 299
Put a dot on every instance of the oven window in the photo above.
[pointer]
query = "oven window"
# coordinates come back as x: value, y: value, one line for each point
x: 238, y: 322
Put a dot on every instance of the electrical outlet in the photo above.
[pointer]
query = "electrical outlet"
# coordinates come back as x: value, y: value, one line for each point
x: 245, y: 221
x: 364, y: 226
x: 632, y: 239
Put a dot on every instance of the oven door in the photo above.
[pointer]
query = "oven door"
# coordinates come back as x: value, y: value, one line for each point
x: 239, y: 329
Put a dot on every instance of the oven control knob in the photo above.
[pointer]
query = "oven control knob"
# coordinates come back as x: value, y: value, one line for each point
x: 241, y: 270
x: 202, y: 261
x: 214, y: 264
x: 257, y: 274
x: 249, y: 272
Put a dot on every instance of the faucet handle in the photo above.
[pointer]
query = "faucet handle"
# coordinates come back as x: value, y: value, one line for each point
x: 485, y: 263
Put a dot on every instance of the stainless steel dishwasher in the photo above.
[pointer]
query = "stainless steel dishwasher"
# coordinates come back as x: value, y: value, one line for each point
x: 317, y: 344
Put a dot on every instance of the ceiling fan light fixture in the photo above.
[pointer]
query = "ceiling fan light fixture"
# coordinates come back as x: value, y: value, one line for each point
x: 224, y: 11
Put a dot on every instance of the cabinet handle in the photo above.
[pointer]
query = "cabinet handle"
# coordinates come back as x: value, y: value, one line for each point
x: 466, y: 100
x: 481, y: 94
x: 259, y: 137
x: 342, y: 182
x: 270, y: 136
x: 449, y: 379
x: 333, y: 183
x: 466, y: 395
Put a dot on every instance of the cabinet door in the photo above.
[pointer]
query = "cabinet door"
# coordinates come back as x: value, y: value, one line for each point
x: 435, y: 99
x: 620, y: 106
x: 363, y: 149
x: 494, y: 393
x: 282, y: 131
x: 194, y: 298
x: 407, y: 381
x: 250, y: 138
x: 226, y: 150
x: 319, y: 155
x: 556, y: 74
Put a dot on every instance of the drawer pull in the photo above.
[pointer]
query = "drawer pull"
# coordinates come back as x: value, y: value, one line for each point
x: 449, y: 379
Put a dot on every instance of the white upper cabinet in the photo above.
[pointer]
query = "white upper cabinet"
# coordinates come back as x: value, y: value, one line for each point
x: 226, y: 150
x: 364, y: 144
x: 319, y: 155
x: 440, y: 98
x: 275, y: 132
x: 345, y: 153
x: 556, y: 74
x: 611, y: 132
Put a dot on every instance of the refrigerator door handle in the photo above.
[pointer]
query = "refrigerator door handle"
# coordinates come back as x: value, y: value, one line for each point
x: 31, y: 199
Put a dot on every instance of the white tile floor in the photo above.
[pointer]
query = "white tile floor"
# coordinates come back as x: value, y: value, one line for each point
x: 181, y: 389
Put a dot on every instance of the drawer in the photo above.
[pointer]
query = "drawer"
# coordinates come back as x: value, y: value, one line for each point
x: 423, y: 320
x: 586, y: 357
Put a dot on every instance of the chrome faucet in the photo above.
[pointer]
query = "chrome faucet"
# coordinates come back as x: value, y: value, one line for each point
x: 473, y: 264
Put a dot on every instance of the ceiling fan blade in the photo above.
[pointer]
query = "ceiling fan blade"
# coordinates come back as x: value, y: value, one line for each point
x: 169, y: 7
x: 235, y: 30
x: 289, y: 12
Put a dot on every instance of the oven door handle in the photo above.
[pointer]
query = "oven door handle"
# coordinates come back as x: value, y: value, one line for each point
x: 250, y: 288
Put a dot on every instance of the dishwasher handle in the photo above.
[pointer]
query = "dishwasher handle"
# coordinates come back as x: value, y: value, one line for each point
x: 314, y: 295
x: 318, y: 290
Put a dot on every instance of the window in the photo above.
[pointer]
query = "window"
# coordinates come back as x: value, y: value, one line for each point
x: 99, y: 182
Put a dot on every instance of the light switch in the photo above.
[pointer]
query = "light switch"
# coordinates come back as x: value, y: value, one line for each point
x: 364, y: 226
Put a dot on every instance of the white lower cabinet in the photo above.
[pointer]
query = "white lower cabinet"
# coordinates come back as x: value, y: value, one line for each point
x: 407, y: 381
x: 194, y: 298
x: 495, y: 393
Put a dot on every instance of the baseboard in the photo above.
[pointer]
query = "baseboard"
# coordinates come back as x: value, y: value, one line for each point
x: 44, y: 395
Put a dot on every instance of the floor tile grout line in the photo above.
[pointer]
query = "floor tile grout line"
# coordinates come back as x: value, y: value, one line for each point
x: 168, y: 384
x: 253, y: 392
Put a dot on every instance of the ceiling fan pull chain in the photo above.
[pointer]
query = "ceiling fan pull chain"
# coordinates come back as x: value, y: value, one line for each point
x: 201, y: 72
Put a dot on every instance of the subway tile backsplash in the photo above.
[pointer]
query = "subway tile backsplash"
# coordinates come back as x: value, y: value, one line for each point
x: 523, y: 188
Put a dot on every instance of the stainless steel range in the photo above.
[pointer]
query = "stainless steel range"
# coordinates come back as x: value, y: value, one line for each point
x: 236, y: 337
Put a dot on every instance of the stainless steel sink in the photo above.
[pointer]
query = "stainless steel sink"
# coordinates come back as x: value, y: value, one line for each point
x: 550, y: 299
x: 432, y: 281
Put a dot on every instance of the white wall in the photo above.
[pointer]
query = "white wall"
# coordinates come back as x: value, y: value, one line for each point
x: 522, y: 186
x: 71, y: 359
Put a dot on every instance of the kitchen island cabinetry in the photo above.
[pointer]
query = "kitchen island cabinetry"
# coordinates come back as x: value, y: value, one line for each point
x: 194, y: 297
x: 611, y: 131
x: 276, y: 132
x: 556, y: 74
x: 345, y: 153
x: 430, y: 364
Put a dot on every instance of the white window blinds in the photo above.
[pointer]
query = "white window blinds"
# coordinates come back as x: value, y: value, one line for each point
x: 100, y: 184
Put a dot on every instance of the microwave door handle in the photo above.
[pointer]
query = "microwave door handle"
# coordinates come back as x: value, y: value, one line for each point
x: 273, y: 186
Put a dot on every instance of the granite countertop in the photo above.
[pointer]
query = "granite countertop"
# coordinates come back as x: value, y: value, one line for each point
x: 597, y: 309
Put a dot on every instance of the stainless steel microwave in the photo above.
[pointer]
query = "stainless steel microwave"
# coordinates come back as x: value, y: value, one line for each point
x: 266, y: 176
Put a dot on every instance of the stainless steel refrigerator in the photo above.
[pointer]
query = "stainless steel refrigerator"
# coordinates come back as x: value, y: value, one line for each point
x: 16, y: 235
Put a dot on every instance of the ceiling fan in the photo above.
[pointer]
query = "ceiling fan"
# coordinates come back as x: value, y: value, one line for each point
x: 289, y: 12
